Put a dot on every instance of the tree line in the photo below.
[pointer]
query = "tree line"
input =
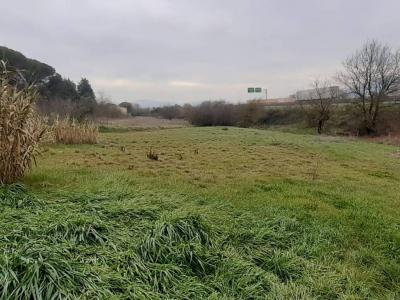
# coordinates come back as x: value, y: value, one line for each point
x: 370, y: 77
x: 370, y: 81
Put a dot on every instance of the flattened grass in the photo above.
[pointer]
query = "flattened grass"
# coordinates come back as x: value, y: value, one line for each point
x: 16, y: 196
x: 38, y: 272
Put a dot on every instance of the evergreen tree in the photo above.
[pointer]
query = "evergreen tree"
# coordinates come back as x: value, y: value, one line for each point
x: 85, y: 90
x: 59, y: 88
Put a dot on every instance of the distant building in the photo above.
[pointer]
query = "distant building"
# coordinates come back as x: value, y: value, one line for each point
x: 122, y: 109
x: 312, y: 94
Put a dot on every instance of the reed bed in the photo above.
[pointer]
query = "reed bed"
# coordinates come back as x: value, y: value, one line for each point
x: 70, y: 131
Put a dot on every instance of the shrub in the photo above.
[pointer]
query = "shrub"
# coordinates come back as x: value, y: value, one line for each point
x: 168, y: 112
x: 104, y: 109
x: 250, y: 114
x: 212, y: 113
x: 283, y: 116
x: 69, y: 131
x: 20, y: 127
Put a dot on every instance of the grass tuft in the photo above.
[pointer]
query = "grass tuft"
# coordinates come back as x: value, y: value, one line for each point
x: 161, y: 243
x: 16, y: 196
x: 160, y: 277
x: 80, y: 231
x: 186, y: 229
x: 183, y: 241
x: 38, y: 272
x: 239, y: 279
x: 284, y: 264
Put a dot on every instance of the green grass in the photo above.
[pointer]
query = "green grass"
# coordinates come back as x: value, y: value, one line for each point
x: 223, y: 214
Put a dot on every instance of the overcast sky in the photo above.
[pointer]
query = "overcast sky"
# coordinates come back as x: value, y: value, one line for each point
x: 178, y: 51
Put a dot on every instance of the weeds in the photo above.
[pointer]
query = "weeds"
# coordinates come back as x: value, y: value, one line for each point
x: 151, y: 154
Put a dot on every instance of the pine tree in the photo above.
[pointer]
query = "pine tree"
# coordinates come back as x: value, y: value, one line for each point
x: 85, y: 90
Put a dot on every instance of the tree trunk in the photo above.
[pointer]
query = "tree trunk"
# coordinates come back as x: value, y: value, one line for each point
x: 320, y: 126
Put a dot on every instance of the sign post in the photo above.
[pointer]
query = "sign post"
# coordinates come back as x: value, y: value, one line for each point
x: 254, y: 90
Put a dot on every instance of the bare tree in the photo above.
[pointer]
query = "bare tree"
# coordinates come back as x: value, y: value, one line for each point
x: 321, y: 100
x: 371, y: 75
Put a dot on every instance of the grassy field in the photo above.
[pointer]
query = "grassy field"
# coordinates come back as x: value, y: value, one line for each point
x: 225, y: 213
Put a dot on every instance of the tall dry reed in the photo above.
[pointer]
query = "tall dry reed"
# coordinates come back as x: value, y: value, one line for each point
x: 20, y: 126
x: 70, y: 131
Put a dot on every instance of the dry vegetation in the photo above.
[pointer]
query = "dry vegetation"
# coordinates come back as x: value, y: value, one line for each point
x: 20, y: 127
x: 69, y: 131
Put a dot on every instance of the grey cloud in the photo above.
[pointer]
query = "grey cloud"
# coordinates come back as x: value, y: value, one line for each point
x: 187, y: 50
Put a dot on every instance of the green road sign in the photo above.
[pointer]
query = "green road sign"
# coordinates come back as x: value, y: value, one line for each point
x: 254, y: 90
